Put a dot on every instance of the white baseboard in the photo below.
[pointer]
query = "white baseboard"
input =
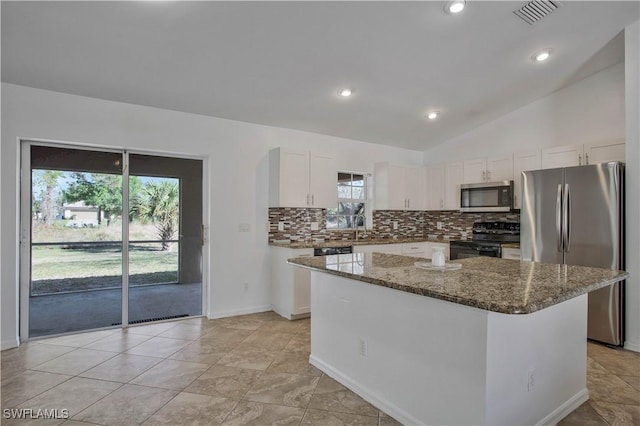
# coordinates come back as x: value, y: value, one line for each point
x: 565, y: 409
x: 9, y: 344
x: 403, y: 417
x: 233, y: 313
x: 381, y: 404
x: 632, y: 346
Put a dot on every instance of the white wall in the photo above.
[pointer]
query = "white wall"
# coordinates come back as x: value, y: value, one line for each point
x: 591, y: 110
x: 632, y: 71
x: 237, y: 179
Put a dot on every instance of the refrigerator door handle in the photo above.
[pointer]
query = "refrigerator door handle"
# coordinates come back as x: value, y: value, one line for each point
x: 559, y: 218
x: 566, y: 222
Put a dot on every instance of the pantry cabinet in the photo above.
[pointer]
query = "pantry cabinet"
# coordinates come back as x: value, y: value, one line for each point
x: 301, y: 179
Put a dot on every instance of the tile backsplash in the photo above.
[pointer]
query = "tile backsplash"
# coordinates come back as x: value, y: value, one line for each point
x: 297, y: 224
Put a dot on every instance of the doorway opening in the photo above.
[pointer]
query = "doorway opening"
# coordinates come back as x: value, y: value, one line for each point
x: 114, y: 238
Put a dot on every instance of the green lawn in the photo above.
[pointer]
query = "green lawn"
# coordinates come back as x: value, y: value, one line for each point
x: 56, y: 268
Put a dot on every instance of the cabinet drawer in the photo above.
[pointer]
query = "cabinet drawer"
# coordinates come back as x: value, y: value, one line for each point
x: 414, y: 249
x: 511, y: 253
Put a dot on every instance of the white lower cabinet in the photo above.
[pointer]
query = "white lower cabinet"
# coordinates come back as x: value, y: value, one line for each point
x: 421, y: 249
x: 290, y: 286
x: 511, y: 253
x: 379, y: 248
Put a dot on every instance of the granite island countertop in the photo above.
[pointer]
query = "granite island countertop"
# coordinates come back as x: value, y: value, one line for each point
x: 493, y: 284
x: 363, y: 242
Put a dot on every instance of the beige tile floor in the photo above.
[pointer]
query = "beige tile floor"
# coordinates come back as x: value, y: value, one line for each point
x: 246, y: 370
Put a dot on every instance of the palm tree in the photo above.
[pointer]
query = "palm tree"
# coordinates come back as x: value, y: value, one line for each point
x: 160, y: 203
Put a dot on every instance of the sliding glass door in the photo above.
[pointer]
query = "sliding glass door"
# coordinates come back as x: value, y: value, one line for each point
x: 113, y: 238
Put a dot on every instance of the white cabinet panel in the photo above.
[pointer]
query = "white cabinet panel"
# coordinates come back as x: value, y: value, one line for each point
x: 379, y: 248
x: 414, y: 249
x: 475, y: 170
x: 604, y: 152
x: 488, y: 169
x: 323, y: 181
x: 522, y: 162
x: 290, y: 285
x: 398, y: 187
x: 562, y: 156
x: 435, y: 188
x: 452, y: 180
x: 499, y: 168
x: 301, y: 179
x: 511, y: 253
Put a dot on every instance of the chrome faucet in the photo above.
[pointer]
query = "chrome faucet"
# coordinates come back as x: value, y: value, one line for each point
x: 364, y: 222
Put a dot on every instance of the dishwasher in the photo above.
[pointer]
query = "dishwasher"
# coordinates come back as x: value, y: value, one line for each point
x: 328, y: 251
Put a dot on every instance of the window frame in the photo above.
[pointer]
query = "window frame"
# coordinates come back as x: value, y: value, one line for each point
x: 366, y: 201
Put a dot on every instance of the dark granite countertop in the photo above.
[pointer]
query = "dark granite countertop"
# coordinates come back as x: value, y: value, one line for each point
x: 363, y: 242
x: 498, y: 285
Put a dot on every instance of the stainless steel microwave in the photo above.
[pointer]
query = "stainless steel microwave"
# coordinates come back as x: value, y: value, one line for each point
x: 487, y: 197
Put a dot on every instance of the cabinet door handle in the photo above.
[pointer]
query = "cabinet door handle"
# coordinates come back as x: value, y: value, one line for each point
x: 408, y: 202
x: 484, y: 175
x: 441, y: 203
x: 586, y: 156
x: 307, y: 199
x: 488, y: 175
x: 312, y: 200
x: 579, y: 160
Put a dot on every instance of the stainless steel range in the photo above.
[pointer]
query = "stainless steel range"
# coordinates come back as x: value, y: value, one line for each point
x: 487, y: 240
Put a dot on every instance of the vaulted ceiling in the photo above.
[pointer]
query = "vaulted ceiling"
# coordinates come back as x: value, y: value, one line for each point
x: 282, y: 63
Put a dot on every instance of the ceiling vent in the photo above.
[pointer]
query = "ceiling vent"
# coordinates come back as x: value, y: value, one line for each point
x: 535, y: 10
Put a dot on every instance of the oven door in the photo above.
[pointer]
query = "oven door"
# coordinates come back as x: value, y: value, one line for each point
x: 460, y: 252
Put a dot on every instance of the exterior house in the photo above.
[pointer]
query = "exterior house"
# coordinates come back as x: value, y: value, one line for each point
x: 80, y: 215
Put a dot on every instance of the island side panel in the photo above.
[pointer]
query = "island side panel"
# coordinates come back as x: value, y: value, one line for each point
x: 537, y: 364
x: 425, y: 359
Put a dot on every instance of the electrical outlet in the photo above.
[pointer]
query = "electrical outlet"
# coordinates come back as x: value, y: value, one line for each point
x: 531, y: 379
x: 314, y: 226
x: 439, y: 225
x: 395, y: 225
x: 280, y: 226
x: 364, y: 347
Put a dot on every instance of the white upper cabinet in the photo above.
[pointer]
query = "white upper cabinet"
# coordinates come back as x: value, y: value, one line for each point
x: 562, y: 156
x: 488, y: 169
x: 301, y: 179
x: 453, y: 177
x: 399, y: 187
x: 435, y: 188
x: 522, y: 162
x: 604, y: 152
x: 475, y: 170
x: 323, y: 181
x: 580, y: 155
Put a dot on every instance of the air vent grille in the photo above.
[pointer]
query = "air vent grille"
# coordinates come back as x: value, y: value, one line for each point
x: 535, y: 10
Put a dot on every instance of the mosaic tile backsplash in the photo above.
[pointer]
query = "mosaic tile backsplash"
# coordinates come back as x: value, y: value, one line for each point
x: 297, y: 223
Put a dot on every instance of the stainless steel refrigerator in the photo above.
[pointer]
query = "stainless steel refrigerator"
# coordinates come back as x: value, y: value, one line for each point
x: 575, y: 216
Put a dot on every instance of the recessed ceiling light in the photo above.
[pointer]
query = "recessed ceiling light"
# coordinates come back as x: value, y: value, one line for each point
x: 454, y: 7
x: 541, y: 55
x: 345, y: 93
x: 433, y: 115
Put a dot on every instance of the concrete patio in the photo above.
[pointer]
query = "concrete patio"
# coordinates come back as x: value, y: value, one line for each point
x: 68, y: 312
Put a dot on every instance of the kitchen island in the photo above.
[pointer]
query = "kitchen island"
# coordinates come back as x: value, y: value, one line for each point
x: 496, y: 342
